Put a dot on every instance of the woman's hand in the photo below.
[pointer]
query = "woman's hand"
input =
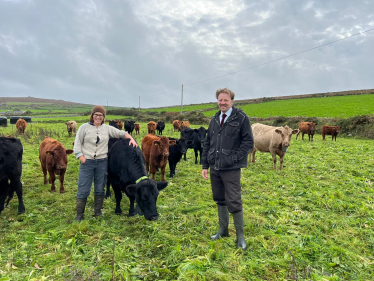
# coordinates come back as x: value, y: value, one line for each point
x: 132, y: 141
x: 82, y: 159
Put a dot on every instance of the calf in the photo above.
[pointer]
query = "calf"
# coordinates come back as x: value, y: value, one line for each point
x: 120, y: 124
x: 306, y: 128
x: 113, y: 123
x: 330, y: 130
x: 160, y: 127
x: 137, y: 128
x: 156, y: 153
x: 21, y: 126
x: 126, y: 173
x: 11, y: 150
x: 275, y: 140
x: 71, y: 126
x: 197, y: 137
x: 129, y: 126
x: 152, y: 127
x: 176, y: 126
x: 53, y: 158
x: 176, y: 152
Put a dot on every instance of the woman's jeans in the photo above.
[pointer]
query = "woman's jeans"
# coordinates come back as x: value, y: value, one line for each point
x: 92, y: 169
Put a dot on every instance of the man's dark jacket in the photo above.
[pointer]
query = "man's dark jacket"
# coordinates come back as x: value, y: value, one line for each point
x: 227, y: 147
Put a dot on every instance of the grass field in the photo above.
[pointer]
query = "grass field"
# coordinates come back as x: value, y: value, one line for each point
x: 314, y: 220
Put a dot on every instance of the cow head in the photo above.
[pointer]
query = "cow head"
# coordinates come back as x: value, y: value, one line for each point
x: 337, y: 129
x: 59, y: 159
x: 182, y: 145
x: 286, y: 134
x: 201, y: 134
x: 146, y: 194
x: 113, y: 123
x: 312, y: 127
x: 163, y: 145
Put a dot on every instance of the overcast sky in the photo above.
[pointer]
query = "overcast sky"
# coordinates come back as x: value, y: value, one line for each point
x: 112, y: 52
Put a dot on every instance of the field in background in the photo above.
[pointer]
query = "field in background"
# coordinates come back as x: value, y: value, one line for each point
x: 313, y: 220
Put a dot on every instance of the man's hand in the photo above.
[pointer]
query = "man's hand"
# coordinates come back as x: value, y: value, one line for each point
x: 204, y: 173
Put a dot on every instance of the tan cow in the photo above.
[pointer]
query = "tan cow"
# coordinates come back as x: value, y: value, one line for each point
x: 53, y: 158
x: 71, y: 126
x: 306, y: 128
x: 152, y: 127
x: 137, y: 128
x: 176, y: 125
x: 275, y: 140
x: 21, y: 126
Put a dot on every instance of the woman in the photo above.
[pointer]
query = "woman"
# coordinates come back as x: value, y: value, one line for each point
x: 91, y: 148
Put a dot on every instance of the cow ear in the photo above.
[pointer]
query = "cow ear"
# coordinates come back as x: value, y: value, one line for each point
x: 69, y: 151
x: 295, y: 131
x: 189, y: 142
x: 196, y: 130
x: 49, y: 152
x: 131, y: 190
x: 172, y: 142
x: 161, y: 185
x: 278, y: 131
x: 66, y: 123
x: 156, y: 142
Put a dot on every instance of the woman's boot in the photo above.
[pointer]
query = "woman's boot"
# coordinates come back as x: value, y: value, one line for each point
x: 81, y: 205
x: 98, y: 205
x: 223, y: 218
x: 239, y: 226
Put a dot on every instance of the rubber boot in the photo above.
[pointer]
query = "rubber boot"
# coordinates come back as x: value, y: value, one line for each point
x: 81, y: 205
x: 223, y: 218
x: 239, y: 226
x: 98, y: 205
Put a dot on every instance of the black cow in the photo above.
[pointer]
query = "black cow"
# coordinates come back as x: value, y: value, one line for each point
x: 11, y: 151
x: 176, y: 152
x: 197, y: 136
x: 129, y: 126
x: 126, y: 173
x: 160, y: 127
x: 113, y: 123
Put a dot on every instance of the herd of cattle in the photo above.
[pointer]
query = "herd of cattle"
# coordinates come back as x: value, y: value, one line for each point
x: 129, y: 167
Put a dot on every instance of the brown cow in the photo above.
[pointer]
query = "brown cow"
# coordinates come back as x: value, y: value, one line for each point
x: 330, y: 130
x: 53, y: 158
x: 120, y: 124
x: 21, y: 125
x: 306, y: 128
x: 137, y: 128
x: 275, y: 140
x: 176, y: 125
x: 152, y: 127
x: 156, y: 153
x: 71, y: 126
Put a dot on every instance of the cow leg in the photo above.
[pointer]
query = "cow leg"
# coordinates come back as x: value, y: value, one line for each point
x: 45, y: 174
x: 132, y: 209
x: 323, y: 136
x: 118, y: 195
x: 201, y: 152
x: 163, y: 173
x: 185, y: 159
x: 62, y: 177
x: 297, y: 135
x: 281, y: 162
x: 196, y: 155
x: 153, y: 171
x: 4, y: 189
x: 302, y: 136
x: 147, y: 167
x: 172, y: 169
x: 274, y: 160
x: 18, y: 189
x: 52, y: 179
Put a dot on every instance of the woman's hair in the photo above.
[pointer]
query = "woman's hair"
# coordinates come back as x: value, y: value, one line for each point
x: 227, y: 91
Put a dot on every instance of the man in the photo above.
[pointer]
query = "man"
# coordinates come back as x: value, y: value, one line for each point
x: 226, y: 147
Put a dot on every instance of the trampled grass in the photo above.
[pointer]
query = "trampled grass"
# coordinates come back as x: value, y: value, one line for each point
x: 313, y: 220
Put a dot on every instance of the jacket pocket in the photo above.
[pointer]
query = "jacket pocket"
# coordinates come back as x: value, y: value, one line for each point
x: 232, y: 129
x: 228, y: 158
x: 211, y: 156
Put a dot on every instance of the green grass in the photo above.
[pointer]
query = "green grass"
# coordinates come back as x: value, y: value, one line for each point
x: 338, y: 106
x: 314, y: 217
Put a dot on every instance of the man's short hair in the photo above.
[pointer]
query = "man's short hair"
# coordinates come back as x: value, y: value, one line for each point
x: 227, y: 91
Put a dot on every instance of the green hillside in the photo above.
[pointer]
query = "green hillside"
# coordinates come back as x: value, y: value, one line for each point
x: 337, y: 106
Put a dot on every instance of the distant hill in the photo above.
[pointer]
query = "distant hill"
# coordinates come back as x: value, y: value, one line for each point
x: 37, y: 100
